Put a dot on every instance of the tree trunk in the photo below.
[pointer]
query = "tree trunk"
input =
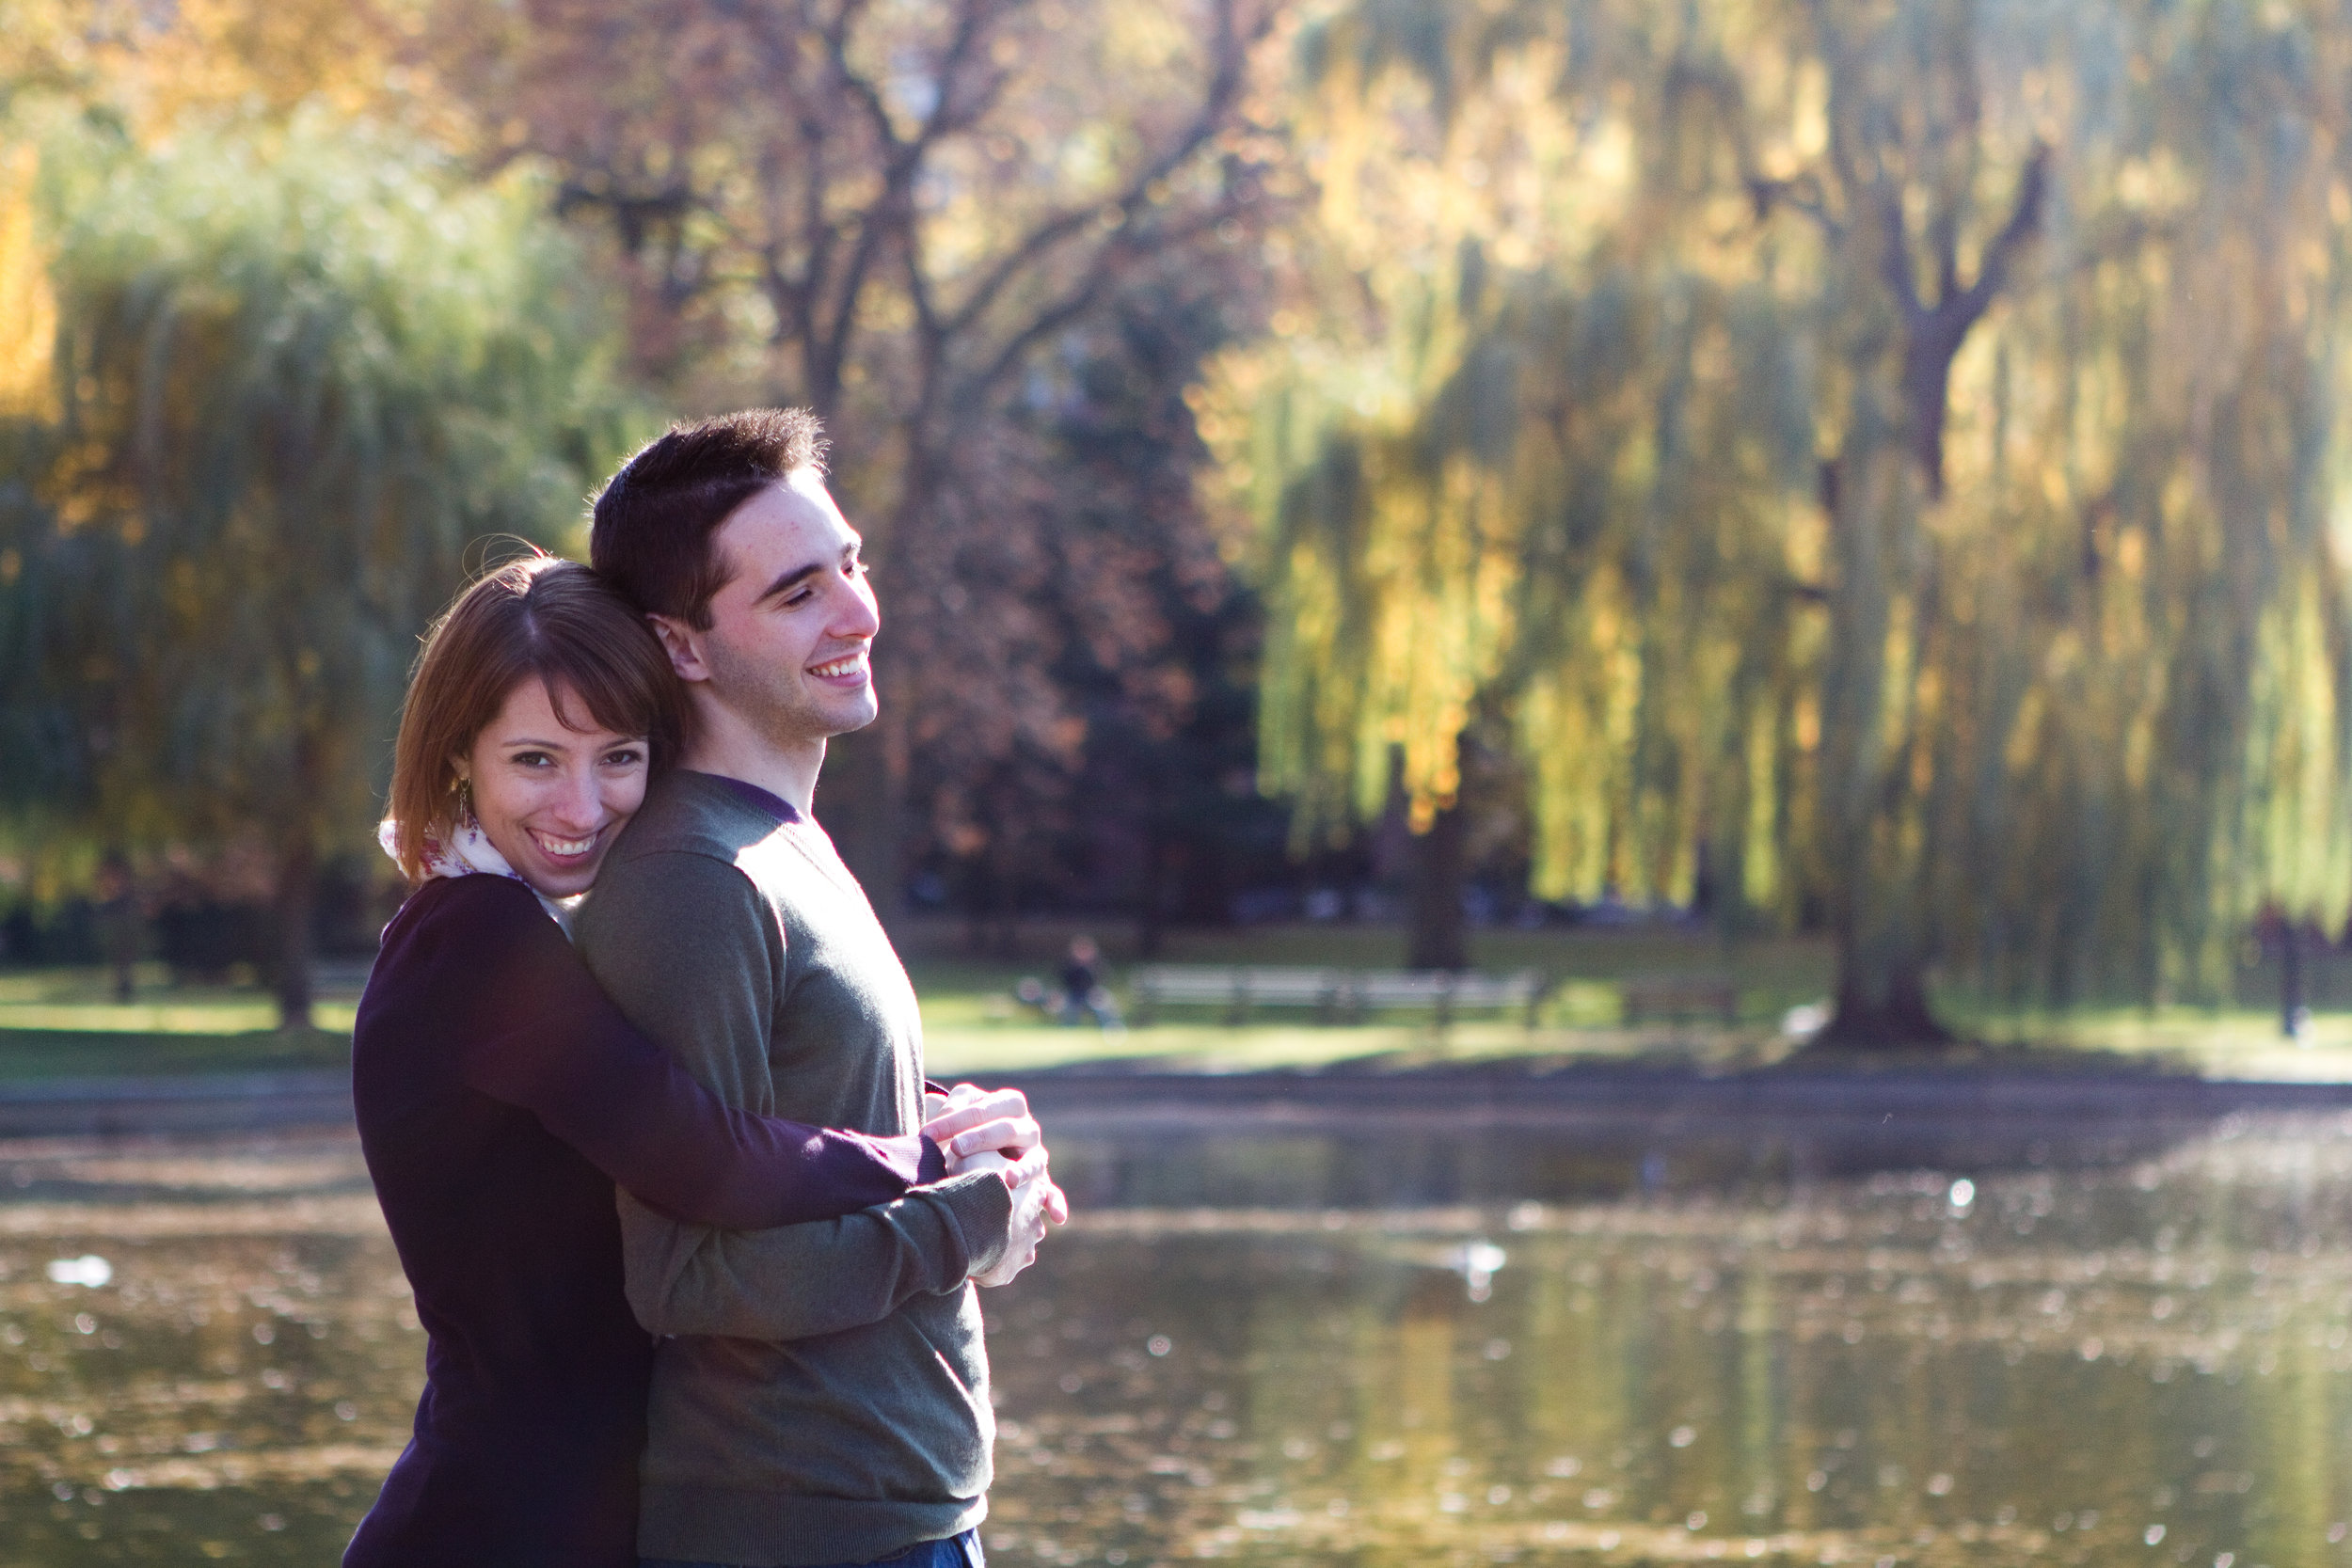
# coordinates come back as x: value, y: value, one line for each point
x: 1891, y: 462
x: 1889, y: 1015
x: 2292, y: 1013
x: 857, y: 804
x: 1151, y: 919
x: 1438, y: 939
x: 292, y: 902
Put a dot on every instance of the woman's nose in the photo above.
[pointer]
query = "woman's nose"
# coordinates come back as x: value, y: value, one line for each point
x: 577, y: 803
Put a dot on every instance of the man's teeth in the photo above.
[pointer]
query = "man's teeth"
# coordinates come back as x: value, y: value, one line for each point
x: 566, y: 846
x: 841, y: 666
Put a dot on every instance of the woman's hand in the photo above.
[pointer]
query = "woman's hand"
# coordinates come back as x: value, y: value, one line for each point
x: 970, y: 1122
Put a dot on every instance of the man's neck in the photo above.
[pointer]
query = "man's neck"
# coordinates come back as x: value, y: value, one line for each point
x: 725, y: 745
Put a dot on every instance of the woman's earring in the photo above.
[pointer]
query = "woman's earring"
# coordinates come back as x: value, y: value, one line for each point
x: 465, y: 805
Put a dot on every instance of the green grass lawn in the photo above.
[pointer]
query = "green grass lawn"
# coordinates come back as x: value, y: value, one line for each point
x: 65, y: 1022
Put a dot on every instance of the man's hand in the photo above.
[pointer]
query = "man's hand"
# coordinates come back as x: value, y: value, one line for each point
x: 1033, y: 1197
x: 968, y: 1122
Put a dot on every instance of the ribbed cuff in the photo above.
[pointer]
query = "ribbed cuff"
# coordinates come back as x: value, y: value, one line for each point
x: 981, y: 1206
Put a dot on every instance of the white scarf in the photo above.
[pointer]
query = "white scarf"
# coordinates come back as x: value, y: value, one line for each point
x: 470, y: 853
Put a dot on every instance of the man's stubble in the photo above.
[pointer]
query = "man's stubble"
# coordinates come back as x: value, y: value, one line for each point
x: 775, y: 706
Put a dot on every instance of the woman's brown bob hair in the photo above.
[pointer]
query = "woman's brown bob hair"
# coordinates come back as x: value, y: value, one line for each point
x: 542, y: 618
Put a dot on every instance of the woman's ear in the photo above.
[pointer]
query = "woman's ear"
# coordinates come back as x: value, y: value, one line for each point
x: 461, y: 770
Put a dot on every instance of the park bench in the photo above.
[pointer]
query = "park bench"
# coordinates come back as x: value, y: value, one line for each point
x: 1679, y: 998
x: 1334, y: 995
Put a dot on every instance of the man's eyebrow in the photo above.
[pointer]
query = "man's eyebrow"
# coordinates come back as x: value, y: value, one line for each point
x: 790, y: 579
x: 798, y: 575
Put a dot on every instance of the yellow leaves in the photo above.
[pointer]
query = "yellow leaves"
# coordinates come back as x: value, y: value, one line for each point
x: 1808, y: 125
x: 1759, y: 859
x: 1439, y: 613
x: 2131, y: 553
x: 213, y: 56
x: 2299, y: 800
x: 1899, y: 693
x: 2140, y: 749
x: 2025, y: 736
x: 28, y: 306
x: 2154, y: 183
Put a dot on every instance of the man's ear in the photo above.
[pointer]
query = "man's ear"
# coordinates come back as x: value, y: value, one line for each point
x: 684, y: 645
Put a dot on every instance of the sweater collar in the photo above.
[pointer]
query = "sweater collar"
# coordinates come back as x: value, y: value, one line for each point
x: 756, y: 798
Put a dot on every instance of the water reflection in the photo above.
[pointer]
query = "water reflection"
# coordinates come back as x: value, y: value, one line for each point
x: 2146, y: 1359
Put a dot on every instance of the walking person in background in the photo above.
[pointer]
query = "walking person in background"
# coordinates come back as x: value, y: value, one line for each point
x: 500, y: 1096
x: 823, y: 1396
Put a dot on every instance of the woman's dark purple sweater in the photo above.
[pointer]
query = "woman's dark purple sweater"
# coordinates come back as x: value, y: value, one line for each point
x: 500, y: 1096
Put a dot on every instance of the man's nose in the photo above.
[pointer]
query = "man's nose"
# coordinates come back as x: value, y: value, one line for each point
x: 857, y: 616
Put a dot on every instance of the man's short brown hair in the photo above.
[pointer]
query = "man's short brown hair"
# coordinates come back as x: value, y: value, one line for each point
x: 654, y: 520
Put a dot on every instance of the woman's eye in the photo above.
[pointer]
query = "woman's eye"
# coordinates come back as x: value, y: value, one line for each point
x: 533, y: 759
x: 629, y: 756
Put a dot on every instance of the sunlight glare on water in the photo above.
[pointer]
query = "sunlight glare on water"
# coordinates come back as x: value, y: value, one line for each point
x: 2143, y: 1362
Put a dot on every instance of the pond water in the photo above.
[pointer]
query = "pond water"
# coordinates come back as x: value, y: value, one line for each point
x: 1303, y: 1350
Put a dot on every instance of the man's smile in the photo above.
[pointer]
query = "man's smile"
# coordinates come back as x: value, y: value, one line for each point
x: 849, y: 664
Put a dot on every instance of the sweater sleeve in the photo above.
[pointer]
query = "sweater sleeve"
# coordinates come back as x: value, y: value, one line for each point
x: 671, y: 926
x: 548, y: 1041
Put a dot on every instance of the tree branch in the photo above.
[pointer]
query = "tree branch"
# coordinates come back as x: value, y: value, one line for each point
x: 1894, y: 246
x: 2025, y: 222
x: 1224, y: 87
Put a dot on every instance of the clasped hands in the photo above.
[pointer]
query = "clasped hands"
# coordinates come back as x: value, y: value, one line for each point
x: 992, y: 1130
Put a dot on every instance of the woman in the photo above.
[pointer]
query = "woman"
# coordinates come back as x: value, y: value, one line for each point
x: 500, y: 1096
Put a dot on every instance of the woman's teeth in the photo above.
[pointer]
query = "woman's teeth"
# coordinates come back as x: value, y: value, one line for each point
x: 564, y: 846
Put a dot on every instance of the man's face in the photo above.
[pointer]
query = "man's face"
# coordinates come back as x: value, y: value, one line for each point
x: 790, y: 633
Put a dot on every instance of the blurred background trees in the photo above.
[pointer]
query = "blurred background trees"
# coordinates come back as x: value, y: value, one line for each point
x: 933, y: 225
x: 1954, y: 488
x: 298, y: 377
x: 1866, y: 468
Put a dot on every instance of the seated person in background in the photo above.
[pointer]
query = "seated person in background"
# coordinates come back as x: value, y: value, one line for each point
x: 1083, y: 996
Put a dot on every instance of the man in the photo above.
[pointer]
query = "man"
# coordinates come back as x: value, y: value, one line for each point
x: 825, y: 1398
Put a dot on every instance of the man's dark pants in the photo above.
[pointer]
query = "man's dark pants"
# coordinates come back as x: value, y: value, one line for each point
x: 957, y: 1551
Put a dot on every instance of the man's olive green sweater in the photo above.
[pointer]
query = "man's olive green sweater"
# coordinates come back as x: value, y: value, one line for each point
x: 825, y: 1398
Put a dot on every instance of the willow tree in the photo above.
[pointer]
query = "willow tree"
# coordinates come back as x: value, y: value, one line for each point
x: 2151, y: 451
x: 297, y: 372
x: 1944, y: 496
x: 1532, y: 464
